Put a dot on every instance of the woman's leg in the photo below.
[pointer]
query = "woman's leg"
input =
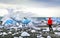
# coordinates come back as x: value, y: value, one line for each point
x: 49, y: 27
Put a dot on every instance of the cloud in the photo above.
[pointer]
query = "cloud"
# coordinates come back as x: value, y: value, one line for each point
x: 48, y: 2
x: 13, y: 1
x: 44, y: 12
x: 3, y: 12
x: 35, y: 11
x: 38, y: 3
x: 41, y: 8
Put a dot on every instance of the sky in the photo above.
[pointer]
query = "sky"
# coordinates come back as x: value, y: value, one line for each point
x: 41, y: 8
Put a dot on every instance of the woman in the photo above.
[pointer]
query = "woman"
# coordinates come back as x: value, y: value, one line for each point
x: 50, y: 22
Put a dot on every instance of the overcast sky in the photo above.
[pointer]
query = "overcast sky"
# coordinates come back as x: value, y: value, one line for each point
x: 41, y: 8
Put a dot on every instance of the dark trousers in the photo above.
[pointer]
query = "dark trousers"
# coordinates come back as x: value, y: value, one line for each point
x: 50, y: 27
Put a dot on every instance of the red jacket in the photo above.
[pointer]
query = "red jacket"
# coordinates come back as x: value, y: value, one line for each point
x: 49, y: 21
